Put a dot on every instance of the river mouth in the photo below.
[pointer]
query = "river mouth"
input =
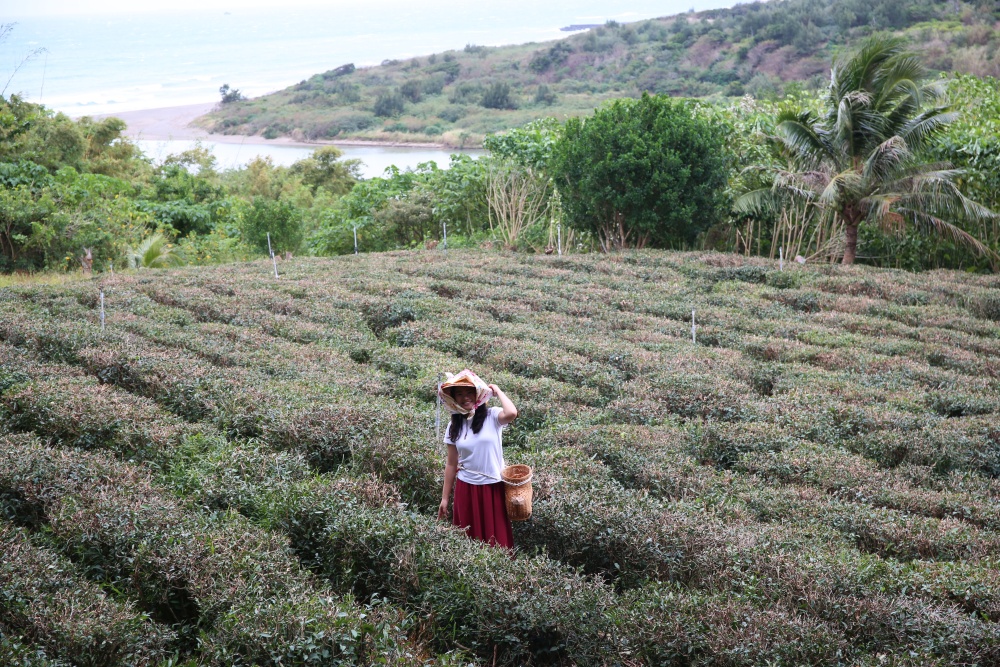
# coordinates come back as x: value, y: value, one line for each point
x: 374, y: 159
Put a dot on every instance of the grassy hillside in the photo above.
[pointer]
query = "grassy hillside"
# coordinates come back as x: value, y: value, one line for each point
x: 759, y: 48
x: 243, y: 470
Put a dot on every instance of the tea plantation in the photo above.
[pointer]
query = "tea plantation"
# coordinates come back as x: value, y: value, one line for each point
x: 243, y: 470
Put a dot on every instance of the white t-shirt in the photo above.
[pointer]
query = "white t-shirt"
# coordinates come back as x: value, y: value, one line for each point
x: 481, y: 452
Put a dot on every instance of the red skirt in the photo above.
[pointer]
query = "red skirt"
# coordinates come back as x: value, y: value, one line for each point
x: 482, y: 511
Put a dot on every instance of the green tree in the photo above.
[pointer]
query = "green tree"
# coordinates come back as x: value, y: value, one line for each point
x: 279, y: 219
x: 324, y: 169
x: 530, y: 145
x: 544, y: 96
x: 498, y: 96
x: 389, y: 104
x: 407, y: 221
x: 642, y: 172
x: 412, y: 90
x: 862, y: 158
x: 972, y: 144
x: 230, y: 95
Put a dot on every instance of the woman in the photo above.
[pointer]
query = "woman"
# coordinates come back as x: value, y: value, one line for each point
x: 475, y: 458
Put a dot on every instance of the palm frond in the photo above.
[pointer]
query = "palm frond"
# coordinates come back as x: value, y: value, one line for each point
x: 843, y: 127
x: 885, y: 159
x: 801, y: 140
x: 917, y: 131
x: 912, y: 175
x: 840, y: 187
x: 755, y: 202
x: 946, y: 199
x: 899, y: 80
x: 155, y: 252
x: 929, y: 223
x: 860, y: 70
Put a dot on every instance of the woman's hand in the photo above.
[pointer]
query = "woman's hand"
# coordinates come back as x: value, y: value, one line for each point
x: 443, y: 510
x: 509, y: 413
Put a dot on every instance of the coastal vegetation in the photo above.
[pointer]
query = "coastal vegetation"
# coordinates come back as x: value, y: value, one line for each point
x: 893, y: 167
x: 764, y: 49
x: 864, y: 160
x: 80, y: 194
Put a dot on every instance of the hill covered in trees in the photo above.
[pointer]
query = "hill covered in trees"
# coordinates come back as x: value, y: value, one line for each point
x: 762, y: 49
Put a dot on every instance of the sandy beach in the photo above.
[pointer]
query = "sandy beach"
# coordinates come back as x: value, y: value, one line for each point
x: 174, y: 124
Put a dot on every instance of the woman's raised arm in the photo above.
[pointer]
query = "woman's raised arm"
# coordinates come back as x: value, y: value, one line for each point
x: 509, y: 413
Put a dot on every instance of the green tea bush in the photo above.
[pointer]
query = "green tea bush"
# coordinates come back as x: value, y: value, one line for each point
x: 985, y: 305
x: 236, y: 587
x: 356, y: 533
x: 853, y: 478
x: 809, y: 483
x: 15, y: 653
x: 674, y: 626
x: 52, y: 606
x: 514, y: 611
x: 80, y: 413
x: 654, y: 459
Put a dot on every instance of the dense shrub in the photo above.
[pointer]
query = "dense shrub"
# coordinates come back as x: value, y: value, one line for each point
x: 641, y: 172
x: 389, y: 104
x: 281, y: 220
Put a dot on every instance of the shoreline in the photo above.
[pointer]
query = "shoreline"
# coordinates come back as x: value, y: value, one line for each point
x: 174, y: 124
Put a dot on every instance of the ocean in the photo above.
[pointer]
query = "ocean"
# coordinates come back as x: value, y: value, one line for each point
x: 102, y: 62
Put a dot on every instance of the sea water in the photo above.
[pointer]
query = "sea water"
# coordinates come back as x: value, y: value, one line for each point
x: 103, y: 62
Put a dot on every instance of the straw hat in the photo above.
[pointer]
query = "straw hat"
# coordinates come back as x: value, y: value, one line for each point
x: 466, y: 378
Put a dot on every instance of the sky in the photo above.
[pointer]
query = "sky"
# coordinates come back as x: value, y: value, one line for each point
x: 91, y: 7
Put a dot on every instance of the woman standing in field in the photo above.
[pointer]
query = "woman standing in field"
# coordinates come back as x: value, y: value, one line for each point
x: 475, y: 458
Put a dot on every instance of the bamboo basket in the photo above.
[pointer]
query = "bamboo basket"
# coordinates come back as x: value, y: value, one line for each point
x: 517, y: 491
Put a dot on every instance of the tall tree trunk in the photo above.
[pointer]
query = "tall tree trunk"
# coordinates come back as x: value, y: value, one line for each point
x: 850, y: 242
x: 851, y: 221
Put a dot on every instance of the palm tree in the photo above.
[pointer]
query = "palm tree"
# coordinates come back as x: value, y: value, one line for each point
x: 861, y: 158
x: 154, y: 253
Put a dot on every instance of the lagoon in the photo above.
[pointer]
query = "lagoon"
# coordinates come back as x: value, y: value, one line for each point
x: 375, y: 159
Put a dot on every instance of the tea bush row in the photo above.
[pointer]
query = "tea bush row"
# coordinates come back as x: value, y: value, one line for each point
x: 48, y: 604
x: 234, y: 593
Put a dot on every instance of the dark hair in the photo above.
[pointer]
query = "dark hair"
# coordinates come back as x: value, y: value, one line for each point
x: 457, y: 421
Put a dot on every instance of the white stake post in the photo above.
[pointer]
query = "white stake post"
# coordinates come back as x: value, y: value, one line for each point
x: 444, y: 226
x: 693, y: 337
x: 273, y: 259
x: 355, y: 239
x: 102, y: 310
x: 781, y: 259
x: 559, y: 239
x: 437, y: 416
x: 112, y: 265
